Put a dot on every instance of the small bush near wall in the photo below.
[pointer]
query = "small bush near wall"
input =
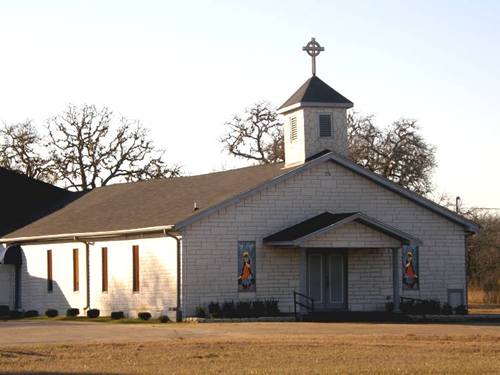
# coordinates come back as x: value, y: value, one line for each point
x: 200, y: 312
x: 117, y: 315
x: 31, y: 314
x: 14, y: 314
x: 429, y: 307
x: 446, y: 309
x: 243, y: 309
x: 51, y: 313
x: 461, y: 310
x: 144, y: 315
x: 72, y: 313
x: 258, y: 308
x: 272, y: 308
x: 228, y: 310
x: 93, y: 313
x: 164, y: 319
x: 4, y: 310
x: 214, y: 310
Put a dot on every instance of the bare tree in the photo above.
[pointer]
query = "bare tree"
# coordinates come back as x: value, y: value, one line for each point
x: 483, y: 257
x: 398, y: 152
x: 21, y: 150
x: 89, y: 147
x: 257, y: 135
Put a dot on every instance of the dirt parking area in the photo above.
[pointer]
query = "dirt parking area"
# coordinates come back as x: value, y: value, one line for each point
x: 248, y: 348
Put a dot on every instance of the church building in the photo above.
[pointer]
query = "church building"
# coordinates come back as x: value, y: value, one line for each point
x: 317, y: 224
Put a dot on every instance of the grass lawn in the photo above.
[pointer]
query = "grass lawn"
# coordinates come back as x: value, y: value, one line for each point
x: 274, y: 349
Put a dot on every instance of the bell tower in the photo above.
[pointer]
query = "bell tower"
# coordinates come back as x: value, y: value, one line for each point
x: 315, y: 117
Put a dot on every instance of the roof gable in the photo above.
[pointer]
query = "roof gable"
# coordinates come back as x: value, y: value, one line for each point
x: 298, y: 234
x: 350, y: 165
x: 155, y: 203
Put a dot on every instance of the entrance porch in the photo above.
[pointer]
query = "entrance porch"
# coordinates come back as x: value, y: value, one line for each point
x: 348, y: 261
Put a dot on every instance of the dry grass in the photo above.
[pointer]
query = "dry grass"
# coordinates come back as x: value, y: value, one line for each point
x: 480, y: 297
x: 267, y: 354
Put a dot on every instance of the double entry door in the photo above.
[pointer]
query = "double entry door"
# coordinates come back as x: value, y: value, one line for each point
x: 327, y: 278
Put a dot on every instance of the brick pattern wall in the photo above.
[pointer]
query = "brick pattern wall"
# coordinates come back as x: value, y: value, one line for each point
x: 354, y: 235
x: 157, y: 265
x: 209, y: 245
x: 369, y: 270
x: 308, y: 141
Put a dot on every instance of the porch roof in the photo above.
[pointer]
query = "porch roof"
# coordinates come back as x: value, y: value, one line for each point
x: 297, y: 234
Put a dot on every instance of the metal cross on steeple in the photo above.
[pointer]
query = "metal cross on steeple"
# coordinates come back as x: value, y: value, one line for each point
x: 313, y: 49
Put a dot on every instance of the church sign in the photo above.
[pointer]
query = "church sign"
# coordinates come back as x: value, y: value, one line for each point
x: 246, y: 266
x: 410, y: 268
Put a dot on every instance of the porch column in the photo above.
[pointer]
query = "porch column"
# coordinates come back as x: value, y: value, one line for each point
x: 395, y: 278
x: 302, y: 272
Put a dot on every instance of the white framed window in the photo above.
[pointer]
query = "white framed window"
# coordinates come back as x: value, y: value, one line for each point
x: 293, y: 129
x: 325, y: 125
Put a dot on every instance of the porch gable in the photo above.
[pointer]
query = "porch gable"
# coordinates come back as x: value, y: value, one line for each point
x: 341, y: 230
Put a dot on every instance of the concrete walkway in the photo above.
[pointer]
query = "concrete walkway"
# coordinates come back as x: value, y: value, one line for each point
x: 13, y: 333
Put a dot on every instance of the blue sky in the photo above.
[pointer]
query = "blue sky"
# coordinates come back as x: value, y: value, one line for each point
x: 183, y: 68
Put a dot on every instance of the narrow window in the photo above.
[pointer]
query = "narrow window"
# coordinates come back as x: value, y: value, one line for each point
x: 50, y: 284
x: 104, y: 253
x: 135, y: 268
x: 293, y: 129
x: 325, y: 125
x: 76, y: 273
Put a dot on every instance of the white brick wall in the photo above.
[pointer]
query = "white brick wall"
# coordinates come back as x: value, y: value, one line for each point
x: 209, y: 255
x: 157, y: 277
x: 209, y: 246
x: 308, y: 141
x: 369, y: 270
x: 352, y: 234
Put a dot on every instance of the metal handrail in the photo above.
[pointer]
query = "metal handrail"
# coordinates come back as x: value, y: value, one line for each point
x: 309, y: 307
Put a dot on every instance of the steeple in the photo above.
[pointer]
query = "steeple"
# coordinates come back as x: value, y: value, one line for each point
x: 315, y: 117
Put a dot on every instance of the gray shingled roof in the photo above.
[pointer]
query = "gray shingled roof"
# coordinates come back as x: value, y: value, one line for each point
x: 158, y: 203
x: 148, y: 204
x: 314, y: 90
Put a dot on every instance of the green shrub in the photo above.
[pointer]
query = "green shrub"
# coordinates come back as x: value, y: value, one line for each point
x: 258, y: 308
x: 243, y: 309
x: 14, y: 314
x: 214, y: 310
x: 461, y: 310
x: 51, y: 313
x: 272, y: 307
x: 407, y: 307
x: 446, y: 309
x: 115, y: 315
x: 228, y: 310
x: 200, y: 312
x: 93, y: 313
x: 144, y: 315
x: 4, y: 310
x: 72, y: 313
x: 31, y: 314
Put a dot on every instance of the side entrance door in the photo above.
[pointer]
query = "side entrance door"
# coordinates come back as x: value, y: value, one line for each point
x: 327, y: 279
